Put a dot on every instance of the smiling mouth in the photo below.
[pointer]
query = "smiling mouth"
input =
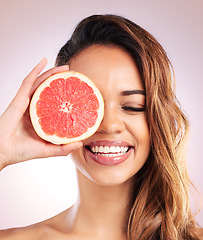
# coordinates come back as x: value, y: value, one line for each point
x: 108, y: 154
x: 108, y: 151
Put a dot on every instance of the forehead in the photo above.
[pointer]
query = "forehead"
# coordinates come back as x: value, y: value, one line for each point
x: 109, y: 67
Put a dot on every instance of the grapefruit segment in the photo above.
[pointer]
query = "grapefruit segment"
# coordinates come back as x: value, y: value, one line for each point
x: 63, y: 125
x: 49, y: 96
x: 48, y: 123
x: 87, y: 117
x: 81, y: 89
x: 66, y: 107
x: 46, y: 108
x: 59, y: 88
x: 89, y: 103
x: 78, y: 128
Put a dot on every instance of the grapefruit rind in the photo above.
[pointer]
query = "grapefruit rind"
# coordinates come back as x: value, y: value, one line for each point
x: 36, y: 96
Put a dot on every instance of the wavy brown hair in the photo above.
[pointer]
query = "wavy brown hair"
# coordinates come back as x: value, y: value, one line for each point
x: 159, y: 202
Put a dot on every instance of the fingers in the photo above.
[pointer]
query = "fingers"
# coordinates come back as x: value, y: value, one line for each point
x: 21, y: 100
x: 31, y: 78
x: 47, y: 74
x: 29, y: 84
x: 61, y: 150
x: 37, y: 70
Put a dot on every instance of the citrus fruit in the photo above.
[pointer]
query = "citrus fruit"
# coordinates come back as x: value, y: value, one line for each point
x: 66, y: 107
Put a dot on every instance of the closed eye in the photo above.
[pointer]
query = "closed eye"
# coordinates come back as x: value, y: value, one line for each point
x: 133, y: 109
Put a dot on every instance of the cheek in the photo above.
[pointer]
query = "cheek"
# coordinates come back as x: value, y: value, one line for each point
x: 77, y: 158
x: 140, y: 131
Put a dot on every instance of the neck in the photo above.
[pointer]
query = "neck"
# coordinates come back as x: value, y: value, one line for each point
x: 101, y: 209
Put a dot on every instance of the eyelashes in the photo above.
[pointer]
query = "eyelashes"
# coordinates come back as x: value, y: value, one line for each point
x: 133, y: 109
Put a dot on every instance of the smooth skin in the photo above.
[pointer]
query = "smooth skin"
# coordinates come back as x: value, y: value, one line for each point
x: 103, y: 190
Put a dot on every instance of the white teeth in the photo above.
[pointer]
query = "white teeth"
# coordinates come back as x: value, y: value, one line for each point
x: 110, y: 150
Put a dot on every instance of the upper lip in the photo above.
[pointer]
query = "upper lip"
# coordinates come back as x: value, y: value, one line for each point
x: 109, y: 143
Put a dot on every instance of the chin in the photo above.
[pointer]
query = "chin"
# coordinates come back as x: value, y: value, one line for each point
x: 106, y: 175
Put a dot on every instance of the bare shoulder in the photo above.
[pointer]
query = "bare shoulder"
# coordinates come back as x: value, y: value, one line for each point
x: 48, y: 229
x: 24, y: 233
x: 200, y: 233
x: 33, y: 232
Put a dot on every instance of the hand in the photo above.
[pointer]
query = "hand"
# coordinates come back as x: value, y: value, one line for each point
x: 18, y: 140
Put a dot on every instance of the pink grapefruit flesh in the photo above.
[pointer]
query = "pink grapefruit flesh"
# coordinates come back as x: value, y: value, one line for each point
x: 66, y: 107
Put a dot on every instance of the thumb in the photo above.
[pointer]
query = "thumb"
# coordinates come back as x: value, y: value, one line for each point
x: 62, y: 150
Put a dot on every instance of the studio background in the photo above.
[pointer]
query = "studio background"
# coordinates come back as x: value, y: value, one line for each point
x: 30, y: 30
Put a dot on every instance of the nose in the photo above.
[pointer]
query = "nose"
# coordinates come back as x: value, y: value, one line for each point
x: 112, y: 121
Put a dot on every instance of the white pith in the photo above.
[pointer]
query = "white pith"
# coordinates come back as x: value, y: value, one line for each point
x: 66, y: 107
x: 113, y: 150
x: 53, y: 138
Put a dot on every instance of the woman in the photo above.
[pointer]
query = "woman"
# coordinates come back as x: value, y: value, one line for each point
x: 144, y: 195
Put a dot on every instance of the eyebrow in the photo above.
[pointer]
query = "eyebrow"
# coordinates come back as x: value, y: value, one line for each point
x: 131, y: 92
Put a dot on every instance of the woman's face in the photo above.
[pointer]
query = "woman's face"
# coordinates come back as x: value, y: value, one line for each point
x: 121, y: 145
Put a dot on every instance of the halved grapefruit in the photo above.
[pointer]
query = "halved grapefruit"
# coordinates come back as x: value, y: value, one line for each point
x: 66, y: 107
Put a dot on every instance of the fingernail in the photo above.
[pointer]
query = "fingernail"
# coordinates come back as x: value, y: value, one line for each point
x: 43, y: 61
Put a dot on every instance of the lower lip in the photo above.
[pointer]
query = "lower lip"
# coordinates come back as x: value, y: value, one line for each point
x: 108, y: 160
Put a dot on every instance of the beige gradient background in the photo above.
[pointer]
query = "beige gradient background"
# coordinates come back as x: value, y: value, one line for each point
x: 33, y: 29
